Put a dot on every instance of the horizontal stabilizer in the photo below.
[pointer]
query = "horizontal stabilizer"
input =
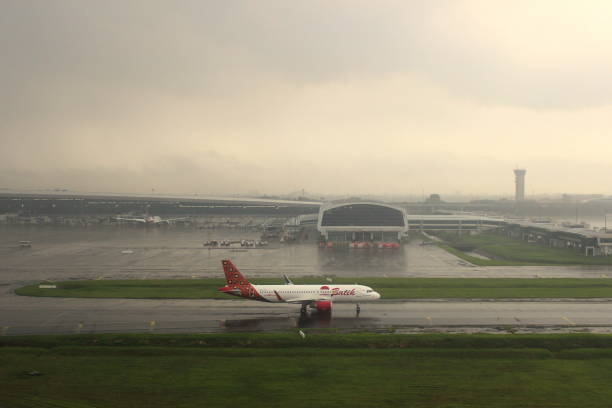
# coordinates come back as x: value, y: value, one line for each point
x: 231, y: 291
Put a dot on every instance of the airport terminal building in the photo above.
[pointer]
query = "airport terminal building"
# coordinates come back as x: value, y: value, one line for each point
x: 62, y: 203
x: 361, y: 222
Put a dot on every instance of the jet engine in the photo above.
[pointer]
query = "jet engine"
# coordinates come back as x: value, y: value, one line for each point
x: 323, y: 306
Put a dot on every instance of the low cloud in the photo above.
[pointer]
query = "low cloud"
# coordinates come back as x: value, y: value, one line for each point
x: 273, y: 96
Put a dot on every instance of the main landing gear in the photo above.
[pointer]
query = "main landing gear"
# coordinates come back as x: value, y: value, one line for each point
x: 357, y: 310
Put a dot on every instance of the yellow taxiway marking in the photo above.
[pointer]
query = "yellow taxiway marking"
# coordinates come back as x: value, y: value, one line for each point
x: 569, y: 321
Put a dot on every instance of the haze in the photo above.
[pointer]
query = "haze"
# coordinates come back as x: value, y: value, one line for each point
x: 340, y: 97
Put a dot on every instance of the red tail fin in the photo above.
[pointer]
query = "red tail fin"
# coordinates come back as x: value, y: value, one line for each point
x: 237, y: 284
x: 232, y: 275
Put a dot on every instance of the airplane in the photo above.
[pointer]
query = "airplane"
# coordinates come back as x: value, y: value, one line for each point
x: 150, y: 219
x: 318, y: 297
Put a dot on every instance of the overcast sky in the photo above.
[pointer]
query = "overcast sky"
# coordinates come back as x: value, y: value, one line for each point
x: 353, y: 97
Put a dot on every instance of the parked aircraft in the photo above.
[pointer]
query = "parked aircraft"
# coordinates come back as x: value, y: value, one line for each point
x: 319, y: 297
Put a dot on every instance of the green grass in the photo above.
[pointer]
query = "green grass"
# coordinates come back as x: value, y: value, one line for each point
x: 317, y: 338
x: 281, y: 370
x: 390, y: 288
x: 505, y: 251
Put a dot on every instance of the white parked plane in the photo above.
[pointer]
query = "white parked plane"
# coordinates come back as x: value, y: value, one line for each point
x: 319, y: 296
x: 150, y: 219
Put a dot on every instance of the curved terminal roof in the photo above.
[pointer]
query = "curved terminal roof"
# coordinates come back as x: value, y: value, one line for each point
x: 359, y: 214
x: 75, y: 203
x: 65, y: 194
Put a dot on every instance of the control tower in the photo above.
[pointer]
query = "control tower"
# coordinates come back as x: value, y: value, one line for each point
x: 519, y: 192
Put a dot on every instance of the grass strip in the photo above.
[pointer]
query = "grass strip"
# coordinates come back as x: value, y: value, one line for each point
x: 390, y: 288
x: 315, y: 339
x: 358, y: 370
x: 506, y: 251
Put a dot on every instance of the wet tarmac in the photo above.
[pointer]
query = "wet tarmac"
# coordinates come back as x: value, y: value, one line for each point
x: 174, y: 252
x: 22, y: 315
x: 109, y: 252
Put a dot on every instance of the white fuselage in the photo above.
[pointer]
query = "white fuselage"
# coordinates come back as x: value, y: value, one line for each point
x: 335, y: 293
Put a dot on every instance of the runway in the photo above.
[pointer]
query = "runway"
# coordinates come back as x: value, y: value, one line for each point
x: 23, y: 315
x: 65, y: 254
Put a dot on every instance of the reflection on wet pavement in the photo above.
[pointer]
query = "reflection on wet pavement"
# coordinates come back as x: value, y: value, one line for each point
x: 358, y: 260
x: 156, y: 253
x: 304, y: 321
x: 61, y: 253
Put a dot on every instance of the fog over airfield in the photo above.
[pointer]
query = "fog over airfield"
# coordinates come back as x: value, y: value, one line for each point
x: 350, y: 97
